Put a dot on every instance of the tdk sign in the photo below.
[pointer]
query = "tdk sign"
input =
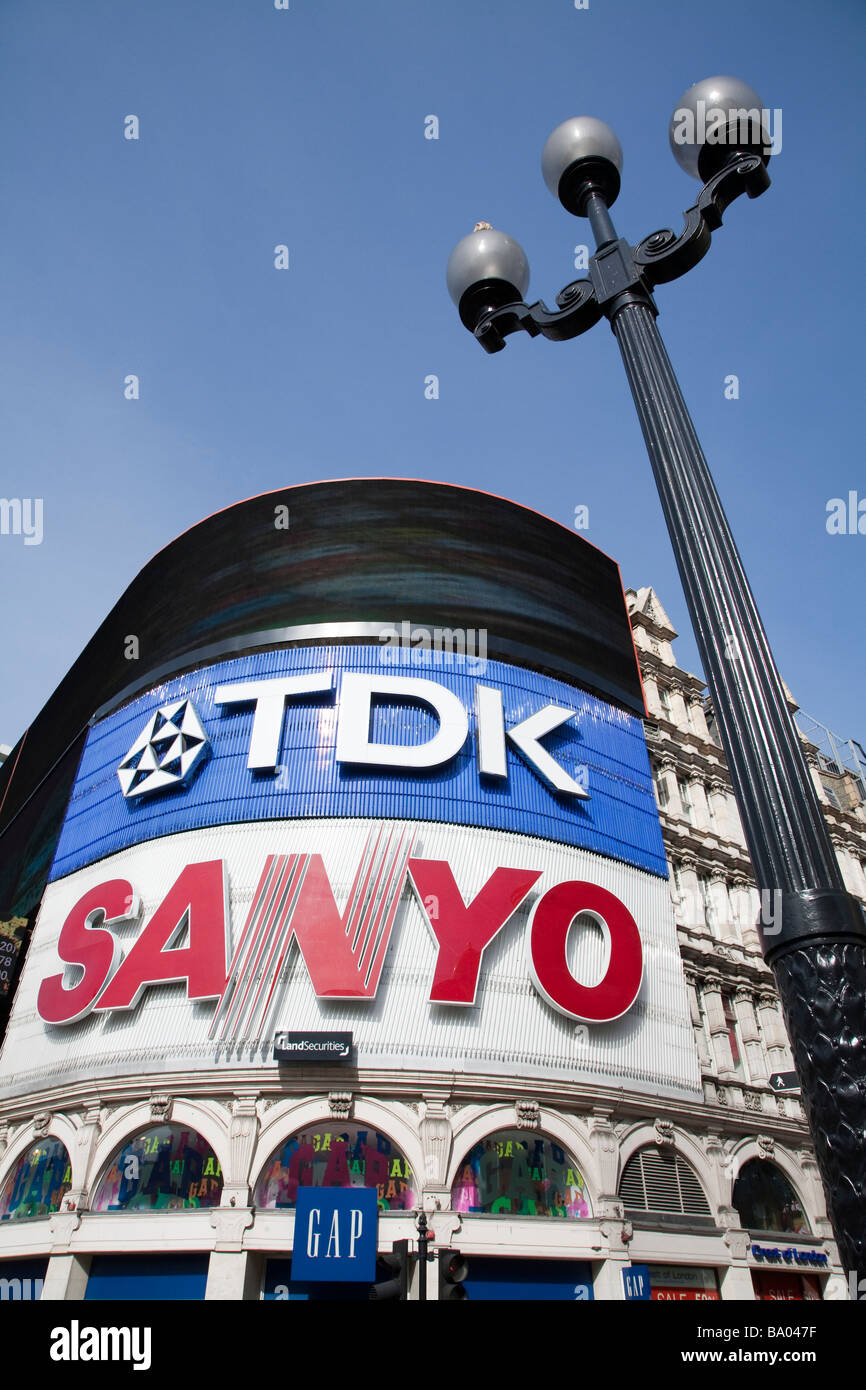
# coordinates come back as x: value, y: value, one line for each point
x: 166, y: 753
x: 354, y: 745
x: 329, y: 731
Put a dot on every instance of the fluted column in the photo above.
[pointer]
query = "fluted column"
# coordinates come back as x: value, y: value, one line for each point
x: 744, y: 1008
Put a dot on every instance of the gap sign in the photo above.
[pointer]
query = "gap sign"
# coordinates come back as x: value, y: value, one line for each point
x: 335, y: 1235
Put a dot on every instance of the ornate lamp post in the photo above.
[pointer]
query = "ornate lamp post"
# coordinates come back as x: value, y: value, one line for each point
x: 816, y: 944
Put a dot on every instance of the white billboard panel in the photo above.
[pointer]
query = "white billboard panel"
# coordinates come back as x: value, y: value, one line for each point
x: 441, y: 948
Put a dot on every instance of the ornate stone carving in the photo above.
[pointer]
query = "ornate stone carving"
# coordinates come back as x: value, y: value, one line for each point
x: 230, y: 1224
x: 527, y: 1114
x: 62, y: 1225
x: 41, y: 1123
x: 738, y: 1243
x: 664, y: 1132
x: 602, y: 1132
x: 667, y: 762
x: 243, y: 1129
x: 91, y: 1123
x: 435, y: 1132
x: 753, y: 1100
x: 766, y: 1145
x: 617, y: 1232
x: 160, y: 1109
x: 721, y: 1095
x: 688, y: 862
x: 340, y: 1104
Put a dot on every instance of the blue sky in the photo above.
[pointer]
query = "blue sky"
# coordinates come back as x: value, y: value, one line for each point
x: 306, y: 127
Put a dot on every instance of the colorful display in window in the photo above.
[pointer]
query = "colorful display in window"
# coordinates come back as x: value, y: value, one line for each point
x: 166, y: 1168
x: 519, y: 1174
x: 40, y: 1182
x: 353, y: 1156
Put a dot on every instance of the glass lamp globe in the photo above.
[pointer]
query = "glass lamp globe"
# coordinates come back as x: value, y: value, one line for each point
x: 485, y: 270
x: 580, y: 152
x: 714, y: 119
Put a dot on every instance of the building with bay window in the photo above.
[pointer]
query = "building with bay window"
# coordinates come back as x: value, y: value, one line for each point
x: 370, y: 871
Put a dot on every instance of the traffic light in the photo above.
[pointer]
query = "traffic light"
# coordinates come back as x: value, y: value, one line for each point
x: 453, y: 1269
x: 397, y: 1286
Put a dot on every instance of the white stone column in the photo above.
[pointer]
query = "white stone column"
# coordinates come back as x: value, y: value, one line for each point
x: 243, y: 1130
x: 698, y: 717
x: 775, y: 1037
x: 66, y: 1277
x: 750, y: 1034
x: 697, y: 1021
x: 679, y: 713
x: 233, y: 1275
x: 699, y: 802
x: 668, y: 774
x: 436, y: 1138
x: 717, y: 796
x: 651, y: 690
x: 692, y: 906
x: 734, y: 822
x: 746, y: 907
x: 843, y: 859
x: 815, y: 773
x: 737, y: 1282
x: 722, y: 906
x: 718, y: 1026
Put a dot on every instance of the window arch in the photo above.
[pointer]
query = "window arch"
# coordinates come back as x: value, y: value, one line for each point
x: 660, y: 1180
x: 765, y: 1200
x: 325, y: 1155
x: 520, y: 1174
x: 40, y: 1181
x: 164, y: 1168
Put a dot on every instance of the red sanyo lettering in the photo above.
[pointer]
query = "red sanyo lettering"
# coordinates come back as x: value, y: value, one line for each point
x: 462, y: 930
x: 199, y: 902
x: 86, y: 942
x: 617, y: 991
x: 343, y: 951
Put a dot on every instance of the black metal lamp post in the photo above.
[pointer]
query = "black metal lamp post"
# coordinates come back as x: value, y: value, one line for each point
x: 816, y: 943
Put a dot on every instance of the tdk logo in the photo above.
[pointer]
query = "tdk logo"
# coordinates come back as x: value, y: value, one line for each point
x: 166, y: 753
x: 174, y: 744
x: 357, y: 694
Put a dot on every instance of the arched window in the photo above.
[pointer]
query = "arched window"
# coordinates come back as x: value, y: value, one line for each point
x: 660, y: 1180
x: 166, y: 1168
x: 766, y: 1201
x: 517, y: 1173
x: 41, y: 1179
x: 327, y: 1156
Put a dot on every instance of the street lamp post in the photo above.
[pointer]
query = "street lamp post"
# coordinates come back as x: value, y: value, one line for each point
x: 815, y: 940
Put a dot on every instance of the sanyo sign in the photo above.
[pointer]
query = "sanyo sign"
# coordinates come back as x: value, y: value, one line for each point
x: 343, y: 947
x: 357, y: 695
